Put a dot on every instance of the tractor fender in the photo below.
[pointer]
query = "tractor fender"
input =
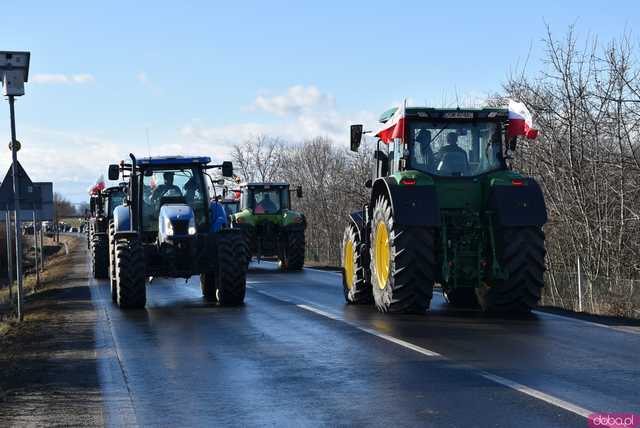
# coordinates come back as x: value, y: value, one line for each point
x: 356, y: 218
x: 412, y: 205
x: 518, y: 206
x: 218, y: 216
x: 122, y: 219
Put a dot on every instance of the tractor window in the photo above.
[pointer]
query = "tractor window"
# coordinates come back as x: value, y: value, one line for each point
x: 455, y: 149
x: 186, y: 183
x: 115, y: 199
x: 266, y: 201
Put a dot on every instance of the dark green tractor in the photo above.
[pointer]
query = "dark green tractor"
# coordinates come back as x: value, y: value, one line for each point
x: 271, y: 227
x: 446, y: 208
x: 101, y: 205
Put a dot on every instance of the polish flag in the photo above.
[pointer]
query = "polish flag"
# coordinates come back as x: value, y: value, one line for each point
x: 394, y: 128
x: 520, y: 121
x: 98, y: 187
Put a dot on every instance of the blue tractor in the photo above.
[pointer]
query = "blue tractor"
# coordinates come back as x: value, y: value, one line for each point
x: 170, y: 226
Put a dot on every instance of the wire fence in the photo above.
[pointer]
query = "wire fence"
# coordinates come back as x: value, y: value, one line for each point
x: 601, y: 296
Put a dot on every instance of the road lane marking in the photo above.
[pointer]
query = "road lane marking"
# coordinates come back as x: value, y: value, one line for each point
x: 581, y: 411
x: 531, y: 392
x: 618, y: 328
x: 386, y: 337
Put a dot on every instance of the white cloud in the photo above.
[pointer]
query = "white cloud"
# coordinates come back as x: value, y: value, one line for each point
x: 66, y: 79
x: 296, y: 100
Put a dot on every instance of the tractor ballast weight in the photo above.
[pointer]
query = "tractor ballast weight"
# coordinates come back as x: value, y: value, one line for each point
x: 174, y: 229
x: 446, y: 210
x: 270, y: 226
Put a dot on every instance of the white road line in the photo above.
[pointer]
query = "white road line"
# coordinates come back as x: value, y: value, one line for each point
x: 581, y: 411
x: 618, y: 328
x: 532, y: 392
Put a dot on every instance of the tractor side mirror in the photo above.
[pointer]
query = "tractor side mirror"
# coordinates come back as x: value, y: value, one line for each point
x: 299, y: 191
x: 356, y: 137
x: 368, y: 184
x: 148, y: 172
x: 92, y: 205
x: 227, y: 169
x: 114, y: 172
x: 513, y: 142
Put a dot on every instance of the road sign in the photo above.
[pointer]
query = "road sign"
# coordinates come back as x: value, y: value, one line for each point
x: 30, y: 195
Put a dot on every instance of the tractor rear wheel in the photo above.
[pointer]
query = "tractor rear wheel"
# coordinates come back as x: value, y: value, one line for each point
x: 402, y: 262
x: 112, y: 263
x: 355, y: 284
x: 130, y: 278
x: 231, y: 268
x: 208, y: 286
x: 522, y: 259
x: 99, y: 256
x: 293, y: 254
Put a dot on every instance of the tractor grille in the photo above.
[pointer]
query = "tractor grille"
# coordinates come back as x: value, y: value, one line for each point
x: 180, y: 227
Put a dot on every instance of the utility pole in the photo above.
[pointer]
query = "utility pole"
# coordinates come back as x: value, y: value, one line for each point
x: 14, y: 67
x: 16, y: 202
x: 9, y: 251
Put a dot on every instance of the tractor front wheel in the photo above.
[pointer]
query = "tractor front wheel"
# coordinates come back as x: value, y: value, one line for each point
x: 231, y: 267
x: 208, y: 286
x: 293, y: 254
x: 99, y: 256
x: 402, y: 262
x: 112, y: 263
x: 522, y: 260
x: 130, y: 279
x: 355, y: 284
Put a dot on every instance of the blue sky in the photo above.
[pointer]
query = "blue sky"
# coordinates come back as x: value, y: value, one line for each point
x: 200, y: 76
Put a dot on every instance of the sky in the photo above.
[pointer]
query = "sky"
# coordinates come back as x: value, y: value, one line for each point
x: 195, y: 77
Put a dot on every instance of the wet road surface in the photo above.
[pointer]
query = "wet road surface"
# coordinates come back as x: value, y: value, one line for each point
x: 296, y: 355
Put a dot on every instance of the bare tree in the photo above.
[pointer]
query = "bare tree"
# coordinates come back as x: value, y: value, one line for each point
x: 258, y: 158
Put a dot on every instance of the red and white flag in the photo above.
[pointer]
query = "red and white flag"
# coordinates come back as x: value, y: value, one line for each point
x: 394, y: 128
x: 520, y: 121
x: 98, y: 187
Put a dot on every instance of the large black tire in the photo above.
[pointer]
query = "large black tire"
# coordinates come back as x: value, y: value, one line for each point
x: 208, y: 286
x: 522, y: 259
x: 293, y: 254
x: 231, y: 268
x: 408, y: 285
x: 355, y: 284
x: 112, y: 263
x: 99, y: 256
x: 130, y: 276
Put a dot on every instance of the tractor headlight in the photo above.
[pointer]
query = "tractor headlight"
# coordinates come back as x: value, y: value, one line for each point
x: 168, y: 227
x: 192, y: 226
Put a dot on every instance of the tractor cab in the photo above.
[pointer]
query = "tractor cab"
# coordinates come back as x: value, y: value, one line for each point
x: 113, y: 197
x: 265, y: 198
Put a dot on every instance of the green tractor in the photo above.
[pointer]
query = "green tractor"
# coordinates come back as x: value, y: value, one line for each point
x: 446, y: 208
x: 271, y: 227
x: 101, y: 206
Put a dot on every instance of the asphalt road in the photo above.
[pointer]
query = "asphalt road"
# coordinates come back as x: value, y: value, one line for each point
x: 296, y: 355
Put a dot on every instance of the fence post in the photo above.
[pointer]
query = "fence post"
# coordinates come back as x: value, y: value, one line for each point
x: 579, y: 286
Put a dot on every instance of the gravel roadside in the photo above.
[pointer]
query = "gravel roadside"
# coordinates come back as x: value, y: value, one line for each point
x: 49, y: 364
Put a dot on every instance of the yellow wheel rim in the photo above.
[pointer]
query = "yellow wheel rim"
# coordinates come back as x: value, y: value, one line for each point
x: 382, y: 254
x: 347, y: 263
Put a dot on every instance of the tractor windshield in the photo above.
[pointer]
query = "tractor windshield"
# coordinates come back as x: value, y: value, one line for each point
x: 455, y: 149
x: 172, y: 185
x: 115, y: 199
x: 267, y: 200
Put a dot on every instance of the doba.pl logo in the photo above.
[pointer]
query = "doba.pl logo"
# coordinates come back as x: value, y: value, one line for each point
x: 614, y: 420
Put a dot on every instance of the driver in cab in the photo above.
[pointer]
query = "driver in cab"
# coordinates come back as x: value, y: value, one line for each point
x: 166, y: 188
x: 266, y: 205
